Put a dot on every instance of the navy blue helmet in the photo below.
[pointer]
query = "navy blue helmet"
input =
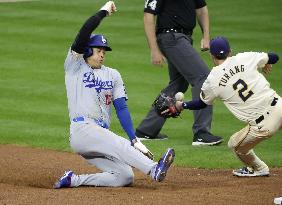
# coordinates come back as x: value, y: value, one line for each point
x: 219, y: 47
x: 96, y: 40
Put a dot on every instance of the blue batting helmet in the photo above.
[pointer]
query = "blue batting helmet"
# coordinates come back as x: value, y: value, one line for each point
x: 96, y: 40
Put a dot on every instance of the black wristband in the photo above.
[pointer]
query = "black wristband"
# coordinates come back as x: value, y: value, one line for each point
x: 83, y: 36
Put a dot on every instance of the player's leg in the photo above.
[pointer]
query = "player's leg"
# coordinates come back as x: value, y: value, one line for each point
x: 118, y: 173
x: 246, y: 139
x: 114, y: 173
x: 242, y: 143
x: 111, y: 153
x: 91, y: 140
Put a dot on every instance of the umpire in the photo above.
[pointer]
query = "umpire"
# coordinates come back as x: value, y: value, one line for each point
x: 170, y: 37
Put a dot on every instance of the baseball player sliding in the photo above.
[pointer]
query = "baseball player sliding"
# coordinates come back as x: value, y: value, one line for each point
x: 247, y: 94
x: 91, y: 90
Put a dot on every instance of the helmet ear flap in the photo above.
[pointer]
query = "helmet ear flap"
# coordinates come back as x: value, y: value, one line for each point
x: 88, y: 53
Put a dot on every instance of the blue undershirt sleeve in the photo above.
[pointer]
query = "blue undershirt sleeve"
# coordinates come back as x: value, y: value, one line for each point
x: 124, y: 117
x: 272, y: 58
x: 194, y: 105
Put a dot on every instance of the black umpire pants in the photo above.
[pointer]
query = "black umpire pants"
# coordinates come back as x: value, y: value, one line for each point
x: 185, y: 68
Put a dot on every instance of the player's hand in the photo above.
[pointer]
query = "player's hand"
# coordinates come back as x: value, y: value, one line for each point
x: 179, y: 105
x: 205, y: 44
x: 110, y: 7
x: 137, y: 144
x: 157, y: 58
x: 267, y: 69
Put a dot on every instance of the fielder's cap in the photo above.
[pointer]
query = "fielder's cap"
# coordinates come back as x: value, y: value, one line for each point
x: 219, y: 46
x: 98, y: 40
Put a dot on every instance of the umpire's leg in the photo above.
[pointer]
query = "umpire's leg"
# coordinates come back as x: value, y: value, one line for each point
x: 185, y: 66
x: 181, y: 54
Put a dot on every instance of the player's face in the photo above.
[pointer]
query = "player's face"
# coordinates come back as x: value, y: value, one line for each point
x: 98, y: 57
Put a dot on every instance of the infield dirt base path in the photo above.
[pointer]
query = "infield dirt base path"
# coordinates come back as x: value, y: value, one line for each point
x: 27, y: 176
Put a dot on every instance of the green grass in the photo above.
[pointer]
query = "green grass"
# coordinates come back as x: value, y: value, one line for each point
x: 34, y: 39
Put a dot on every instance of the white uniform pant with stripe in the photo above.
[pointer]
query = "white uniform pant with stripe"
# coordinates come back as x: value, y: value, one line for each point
x: 245, y: 140
x: 109, y: 152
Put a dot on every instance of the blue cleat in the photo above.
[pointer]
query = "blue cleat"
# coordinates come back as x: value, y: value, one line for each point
x: 64, y: 181
x: 164, y: 164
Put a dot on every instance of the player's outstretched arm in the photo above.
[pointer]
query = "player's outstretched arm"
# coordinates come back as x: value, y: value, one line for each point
x: 126, y: 123
x: 110, y: 7
x: 82, y: 38
x: 191, y: 105
x: 137, y: 144
x: 272, y: 59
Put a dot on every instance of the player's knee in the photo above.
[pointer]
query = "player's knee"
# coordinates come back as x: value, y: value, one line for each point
x: 125, y: 178
x: 235, y: 146
x: 128, y: 179
x: 232, y: 143
x: 237, y: 138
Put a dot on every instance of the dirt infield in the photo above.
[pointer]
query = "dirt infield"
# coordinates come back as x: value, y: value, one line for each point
x: 27, y: 176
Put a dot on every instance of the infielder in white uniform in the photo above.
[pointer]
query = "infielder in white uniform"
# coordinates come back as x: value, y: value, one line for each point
x: 92, y: 88
x: 236, y: 80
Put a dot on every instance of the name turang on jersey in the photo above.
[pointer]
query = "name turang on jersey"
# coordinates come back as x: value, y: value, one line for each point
x: 237, y: 81
x: 229, y: 73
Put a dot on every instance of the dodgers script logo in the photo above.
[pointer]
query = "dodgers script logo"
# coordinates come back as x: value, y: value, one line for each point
x: 98, y: 84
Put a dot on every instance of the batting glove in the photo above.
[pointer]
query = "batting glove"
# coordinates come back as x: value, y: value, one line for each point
x: 137, y: 144
x: 110, y: 7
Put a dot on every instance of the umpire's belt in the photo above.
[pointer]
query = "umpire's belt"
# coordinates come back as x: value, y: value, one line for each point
x: 174, y: 30
x: 101, y: 123
x: 261, y: 118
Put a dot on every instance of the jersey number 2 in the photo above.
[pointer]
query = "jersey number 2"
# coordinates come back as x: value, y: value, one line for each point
x: 242, y: 95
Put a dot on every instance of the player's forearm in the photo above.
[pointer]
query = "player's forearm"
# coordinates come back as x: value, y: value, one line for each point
x: 194, y: 105
x: 203, y: 20
x: 124, y: 117
x: 272, y: 58
x: 82, y: 38
x: 149, y: 27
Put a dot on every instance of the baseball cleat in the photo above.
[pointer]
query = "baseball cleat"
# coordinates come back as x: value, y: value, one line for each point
x: 278, y: 200
x: 64, y: 181
x: 164, y: 164
x: 206, y: 139
x: 248, y: 172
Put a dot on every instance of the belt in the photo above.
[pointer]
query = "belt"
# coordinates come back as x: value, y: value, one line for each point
x: 261, y: 118
x: 174, y: 30
x: 101, y: 123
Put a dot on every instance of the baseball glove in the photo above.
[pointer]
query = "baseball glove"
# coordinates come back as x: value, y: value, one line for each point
x: 165, y: 106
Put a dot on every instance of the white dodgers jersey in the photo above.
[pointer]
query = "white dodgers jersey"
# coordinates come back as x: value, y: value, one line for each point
x: 90, y: 91
x: 239, y: 84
